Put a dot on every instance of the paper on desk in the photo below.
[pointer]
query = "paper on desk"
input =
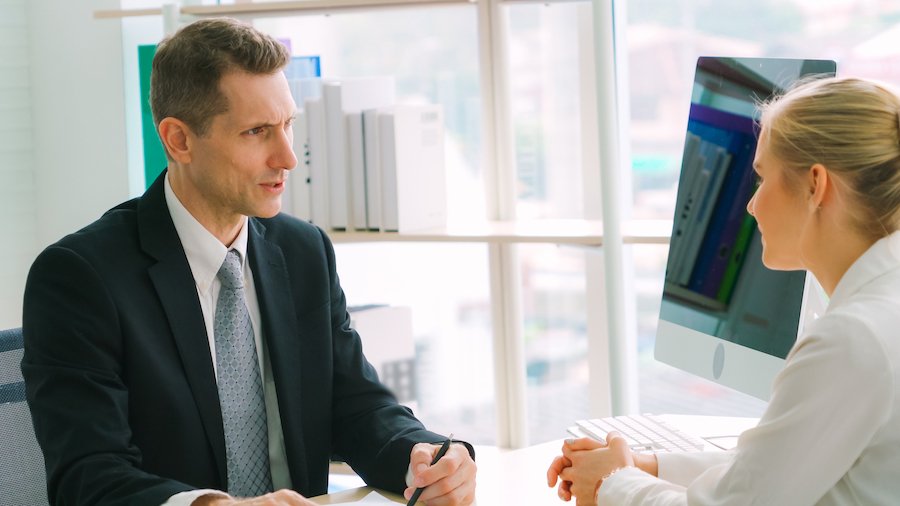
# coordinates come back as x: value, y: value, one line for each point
x: 371, y: 498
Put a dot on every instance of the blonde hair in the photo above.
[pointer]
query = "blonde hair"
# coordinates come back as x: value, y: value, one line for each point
x: 852, y: 127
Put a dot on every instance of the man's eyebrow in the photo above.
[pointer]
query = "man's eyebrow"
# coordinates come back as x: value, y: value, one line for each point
x: 263, y: 123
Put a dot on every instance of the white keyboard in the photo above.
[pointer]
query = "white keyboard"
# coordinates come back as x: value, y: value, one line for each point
x: 644, y: 433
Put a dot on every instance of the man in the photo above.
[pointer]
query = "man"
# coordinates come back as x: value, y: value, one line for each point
x: 193, y: 341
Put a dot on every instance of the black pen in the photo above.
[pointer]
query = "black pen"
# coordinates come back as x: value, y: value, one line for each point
x: 440, y: 453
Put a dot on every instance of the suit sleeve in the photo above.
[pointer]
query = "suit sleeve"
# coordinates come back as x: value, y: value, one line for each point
x: 372, y: 432
x: 73, y: 374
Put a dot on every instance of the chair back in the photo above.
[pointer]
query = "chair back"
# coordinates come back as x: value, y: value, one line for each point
x: 22, y: 475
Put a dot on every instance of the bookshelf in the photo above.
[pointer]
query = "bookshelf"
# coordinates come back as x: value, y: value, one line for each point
x: 588, y: 233
x: 273, y: 8
x: 606, y: 328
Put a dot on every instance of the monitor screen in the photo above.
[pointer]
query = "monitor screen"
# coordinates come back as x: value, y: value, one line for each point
x: 724, y: 316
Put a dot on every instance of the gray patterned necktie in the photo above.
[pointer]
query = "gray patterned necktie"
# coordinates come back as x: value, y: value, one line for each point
x: 240, y: 387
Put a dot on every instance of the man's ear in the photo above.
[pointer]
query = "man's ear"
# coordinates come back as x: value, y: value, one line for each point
x: 175, y: 136
x: 820, y: 185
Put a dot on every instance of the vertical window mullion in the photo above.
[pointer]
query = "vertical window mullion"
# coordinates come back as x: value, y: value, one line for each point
x: 509, y: 359
x: 621, y: 341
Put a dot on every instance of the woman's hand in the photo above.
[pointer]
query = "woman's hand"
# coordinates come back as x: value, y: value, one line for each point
x: 562, y: 462
x: 585, y: 463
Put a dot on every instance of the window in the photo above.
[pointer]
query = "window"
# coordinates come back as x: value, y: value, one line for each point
x: 433, y: 52
x: 446, y: 287
x: 664, y: 41
x: 545, y: 43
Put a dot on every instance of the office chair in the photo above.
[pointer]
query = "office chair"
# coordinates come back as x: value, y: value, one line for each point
x: 22, y: 476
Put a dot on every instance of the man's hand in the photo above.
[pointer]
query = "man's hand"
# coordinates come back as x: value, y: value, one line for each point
x: 450, y: 482
x: 283, y: 497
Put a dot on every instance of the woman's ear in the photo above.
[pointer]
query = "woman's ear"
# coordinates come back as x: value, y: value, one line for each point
x: 175, y: 135
x: 819, y: 186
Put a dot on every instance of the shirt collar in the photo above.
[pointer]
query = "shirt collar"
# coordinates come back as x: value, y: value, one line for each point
x: 880, y: 258
x: 205, y: 253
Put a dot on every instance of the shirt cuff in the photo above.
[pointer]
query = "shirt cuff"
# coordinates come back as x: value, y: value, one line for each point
x: 188, y: 498
x: 409, y: 475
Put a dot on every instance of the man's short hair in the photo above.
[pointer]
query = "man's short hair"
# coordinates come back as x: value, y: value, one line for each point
x: 188, y: 66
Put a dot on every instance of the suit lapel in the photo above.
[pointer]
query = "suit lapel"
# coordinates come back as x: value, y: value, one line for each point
x: 174, y: 283
x: 281, y: 333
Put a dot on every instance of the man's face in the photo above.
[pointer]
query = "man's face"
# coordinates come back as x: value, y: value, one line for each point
x: 239, y: 166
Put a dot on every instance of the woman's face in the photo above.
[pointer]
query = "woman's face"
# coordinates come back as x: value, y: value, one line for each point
x: 780, y: 211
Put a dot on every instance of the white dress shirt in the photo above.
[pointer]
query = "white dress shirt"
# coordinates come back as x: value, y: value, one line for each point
x: 205, y: 255
x: 831, y: 432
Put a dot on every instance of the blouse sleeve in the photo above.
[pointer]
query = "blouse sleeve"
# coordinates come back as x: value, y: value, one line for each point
x: 684, y: 468
x: 816, y: 426
x: 633, y: 486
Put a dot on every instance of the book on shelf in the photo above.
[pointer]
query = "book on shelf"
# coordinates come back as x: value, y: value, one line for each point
x: 372, y: 154
x: 413, y: 176
x: 305, y: 88
x: 302, y: 74
x: 721, y: 245
x: 356, y: 158
x: 736, y: 259
x: 711, y: 231
x: 318, y: 162
x: 340, y: 98
x: 714, y: 160
x: 297, y: 200
x: 690, y: 179
x: 300, y: 67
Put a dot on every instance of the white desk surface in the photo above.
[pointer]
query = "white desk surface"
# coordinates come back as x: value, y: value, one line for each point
x: 504, y: 477
x: 519, y: 476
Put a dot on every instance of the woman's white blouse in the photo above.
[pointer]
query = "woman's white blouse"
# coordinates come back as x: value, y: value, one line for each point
x: 831, y: 432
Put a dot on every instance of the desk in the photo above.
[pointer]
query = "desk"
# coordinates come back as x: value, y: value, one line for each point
x: 354, y: 495
x: 519, y: 476
x: 504, y: 477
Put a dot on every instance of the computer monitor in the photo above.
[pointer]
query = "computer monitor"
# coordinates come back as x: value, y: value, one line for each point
x: 724, y: 316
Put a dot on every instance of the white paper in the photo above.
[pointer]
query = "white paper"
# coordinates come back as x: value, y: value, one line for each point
x: 371, y: 498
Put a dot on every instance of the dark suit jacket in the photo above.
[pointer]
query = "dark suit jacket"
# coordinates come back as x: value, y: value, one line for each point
x: 120, y: 380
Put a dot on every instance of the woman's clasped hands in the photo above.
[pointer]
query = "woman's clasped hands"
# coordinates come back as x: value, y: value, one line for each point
x: 585, y: 463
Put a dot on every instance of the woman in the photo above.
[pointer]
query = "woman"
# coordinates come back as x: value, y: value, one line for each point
x: 828, y: 201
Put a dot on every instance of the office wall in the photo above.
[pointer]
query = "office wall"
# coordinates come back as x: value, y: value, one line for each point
x: 77, y: 90
x: 17, y: 189
x: 62, y: 139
